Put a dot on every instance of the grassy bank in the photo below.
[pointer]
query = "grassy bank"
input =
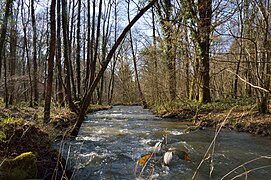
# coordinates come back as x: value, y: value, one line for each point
x: 22, y: 130
x: 241, y: 114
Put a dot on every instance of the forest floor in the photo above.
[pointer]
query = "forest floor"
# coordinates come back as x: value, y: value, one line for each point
x: 240, y: 115
x: 22, y: 130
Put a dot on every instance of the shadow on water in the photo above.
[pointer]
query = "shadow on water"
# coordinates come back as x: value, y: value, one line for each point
x: 110, y: 142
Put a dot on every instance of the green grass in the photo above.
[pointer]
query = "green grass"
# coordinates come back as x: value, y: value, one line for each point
x: 227, y: 103
x: 215, y: 105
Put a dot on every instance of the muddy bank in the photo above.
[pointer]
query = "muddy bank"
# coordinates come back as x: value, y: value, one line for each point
x: 239, y: 120
x: 22, y: 130
x: 24, y: 136
x: 250, y: 122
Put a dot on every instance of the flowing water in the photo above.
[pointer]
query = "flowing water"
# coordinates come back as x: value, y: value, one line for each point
x: 110, y: 142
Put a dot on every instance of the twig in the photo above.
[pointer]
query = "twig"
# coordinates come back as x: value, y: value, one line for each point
x: 24, y: 132
x: 245, y: 169
x: 152, y: 171
x: 256, y: 159
x: 142, y: 170
x: 67, y: 159
x: 153, y: 154
x: 212, y: 165
x: 73, y: 172
x: 251, y: 170
x: 245, y: 81
x: 2, y: 162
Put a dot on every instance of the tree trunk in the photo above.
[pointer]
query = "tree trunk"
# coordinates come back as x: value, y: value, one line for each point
x: 28, y: 59
x: 105, y: 36
x: 194, y: 85
x: 89, y: 93
x: 66, y: 57
x: 166, y: 24
x: 204, y: 29
x: 35, y: 66
x: 71, y: 41
x: 78, y: 64
x: 156, y: 97
x: 88, y: 48
x: 58, y: 57
x: 112, y: 75
x: 92, y: 60
x: 13, y: 56
x: 97, y: 40
x: 143, y: 101
x: 47, y: 105
x: 6, y: 84
x: 186, y: 61
x: 4, y: 30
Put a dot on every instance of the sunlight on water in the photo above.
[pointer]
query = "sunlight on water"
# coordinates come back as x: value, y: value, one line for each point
x: 176, y: 133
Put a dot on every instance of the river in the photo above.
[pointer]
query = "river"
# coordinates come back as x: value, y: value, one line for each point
x: 111, y: 141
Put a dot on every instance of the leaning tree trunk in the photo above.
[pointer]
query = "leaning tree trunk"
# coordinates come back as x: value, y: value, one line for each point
x: 50, y: 64
x: 89, y: 93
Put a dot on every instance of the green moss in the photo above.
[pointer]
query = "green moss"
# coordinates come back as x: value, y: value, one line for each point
x: 20, y: 168
x: 9, y: 119
x: 2, y: 136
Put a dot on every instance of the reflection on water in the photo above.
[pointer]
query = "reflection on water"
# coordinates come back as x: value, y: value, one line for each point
x: 111, y: 141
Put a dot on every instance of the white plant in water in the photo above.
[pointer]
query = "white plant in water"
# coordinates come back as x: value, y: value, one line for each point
x: 168, y: 157
x: 160, y: 151
x: 157, y: 147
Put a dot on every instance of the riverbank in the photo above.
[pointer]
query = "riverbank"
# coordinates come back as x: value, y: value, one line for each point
x: 22, y: 130
x: 237, y: 114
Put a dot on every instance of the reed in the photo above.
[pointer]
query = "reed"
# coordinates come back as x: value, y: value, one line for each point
x: 212, y: 147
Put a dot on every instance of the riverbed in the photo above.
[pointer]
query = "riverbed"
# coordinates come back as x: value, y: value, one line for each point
x: 110, y: 143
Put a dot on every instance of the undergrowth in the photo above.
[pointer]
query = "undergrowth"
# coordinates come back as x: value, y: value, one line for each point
x: 185, y: 105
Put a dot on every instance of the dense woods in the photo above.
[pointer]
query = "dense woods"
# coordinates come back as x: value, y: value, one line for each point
x: 75, y: 53
x: 199, y: 61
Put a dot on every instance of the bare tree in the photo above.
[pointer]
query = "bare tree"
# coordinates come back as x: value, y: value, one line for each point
x: 78, y: 64
x: 143, y: 101
x: 4, y: 30
x: 66, y: 57
x: 25, y: 46
x: 35, y: 64
x: 58, y: 57
x: 47, y: 105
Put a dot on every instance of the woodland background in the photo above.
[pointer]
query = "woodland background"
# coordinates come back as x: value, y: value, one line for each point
x: 52, y: 51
